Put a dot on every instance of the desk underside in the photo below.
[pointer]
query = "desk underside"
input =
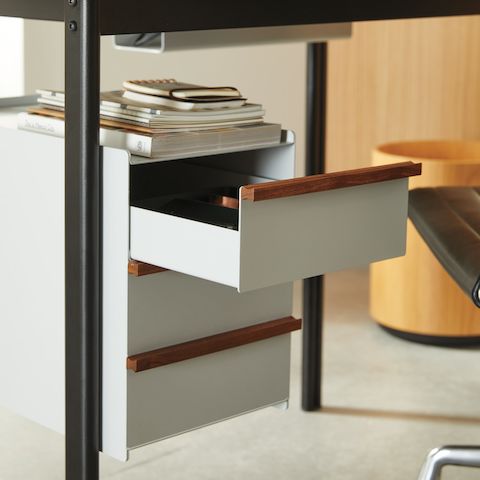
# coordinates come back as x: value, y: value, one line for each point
x: 128, y: 16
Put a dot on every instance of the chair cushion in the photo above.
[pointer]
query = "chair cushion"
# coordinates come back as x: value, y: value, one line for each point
x: 448, y: 219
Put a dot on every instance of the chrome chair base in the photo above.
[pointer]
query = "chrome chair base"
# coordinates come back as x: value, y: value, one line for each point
x: 462, y: 456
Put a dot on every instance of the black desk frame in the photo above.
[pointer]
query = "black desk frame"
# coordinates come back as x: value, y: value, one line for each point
x: 85, y: 21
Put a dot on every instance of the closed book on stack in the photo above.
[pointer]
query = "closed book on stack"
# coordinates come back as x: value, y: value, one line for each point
x: 195, y: 121
x: 115, y: 106
x: 182, y: 96
x: 166, y: 145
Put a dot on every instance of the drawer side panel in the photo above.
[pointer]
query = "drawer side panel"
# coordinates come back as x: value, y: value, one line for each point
x: 194, y: 248
x: 115, y: 302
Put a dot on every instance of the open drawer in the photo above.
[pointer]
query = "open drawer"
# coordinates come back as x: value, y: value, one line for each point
x: 288, y: 228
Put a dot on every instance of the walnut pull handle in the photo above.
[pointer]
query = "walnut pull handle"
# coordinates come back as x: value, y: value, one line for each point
x: 139, y: 269
x: 328, y: 181
x: 215, y: 343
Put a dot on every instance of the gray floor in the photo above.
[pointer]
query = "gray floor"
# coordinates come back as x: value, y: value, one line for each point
x: 387, y: 403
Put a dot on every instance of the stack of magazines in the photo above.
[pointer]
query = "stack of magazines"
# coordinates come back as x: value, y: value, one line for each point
x: 164, y: 119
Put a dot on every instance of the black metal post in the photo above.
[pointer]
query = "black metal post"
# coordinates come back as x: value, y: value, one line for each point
x: 82, y: 223
x: 313, y: 287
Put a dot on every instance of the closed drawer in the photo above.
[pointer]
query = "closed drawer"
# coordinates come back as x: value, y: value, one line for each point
x: 287, y: 229
x: 182, y: 396
x: 170, y: 308
x: 199, y: 352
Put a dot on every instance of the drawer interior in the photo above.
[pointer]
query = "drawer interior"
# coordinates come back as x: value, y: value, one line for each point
x: 165, y: 178
x: 206, y: 189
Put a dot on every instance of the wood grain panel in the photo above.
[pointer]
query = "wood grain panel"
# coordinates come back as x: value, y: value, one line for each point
x: 402, y: 80
x: 329, y: 181
x: 139, y: 269
x: 409, y: 80
x: 212, y: 344
x: 414, y: 293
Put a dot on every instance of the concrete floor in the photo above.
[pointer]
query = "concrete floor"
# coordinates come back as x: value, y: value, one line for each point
x: 387, y: 402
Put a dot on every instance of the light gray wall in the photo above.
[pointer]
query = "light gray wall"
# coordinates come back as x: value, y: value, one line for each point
x: 272, y: 75
x: 11, y: 64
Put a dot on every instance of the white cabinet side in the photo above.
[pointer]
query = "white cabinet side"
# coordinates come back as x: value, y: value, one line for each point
x: 32, y: 280
x: 115, y: 301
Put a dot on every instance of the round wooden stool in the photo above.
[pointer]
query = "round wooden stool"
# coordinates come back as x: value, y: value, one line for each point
x: 412, y: 296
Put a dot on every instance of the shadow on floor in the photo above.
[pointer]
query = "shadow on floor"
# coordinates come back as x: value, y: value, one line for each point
x: 399, y: 415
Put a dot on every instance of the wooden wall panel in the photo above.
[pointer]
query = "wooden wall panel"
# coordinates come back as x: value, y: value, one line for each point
x: 403, y: 79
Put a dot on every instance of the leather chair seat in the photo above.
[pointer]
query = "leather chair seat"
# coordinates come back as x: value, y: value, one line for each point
x: 448, y: 219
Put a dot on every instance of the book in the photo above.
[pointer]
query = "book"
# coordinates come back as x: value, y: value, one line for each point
x: 115, y: 106
x: 111, y: 110
x: 115, y: 99
x: 104, y: 122
x: 165, y: 145
x: 187, y: 91
x: 181, y: 104
x: 169, y: 127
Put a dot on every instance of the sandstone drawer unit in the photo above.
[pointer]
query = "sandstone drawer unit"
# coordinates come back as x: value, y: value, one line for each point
x: 178, y: 352
x: 288, y: 228
x: 181, y: 347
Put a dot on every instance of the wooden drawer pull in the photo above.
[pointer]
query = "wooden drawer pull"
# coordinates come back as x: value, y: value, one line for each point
x: 212, y: 344
x: 329, y: 181
x: 139, y: 269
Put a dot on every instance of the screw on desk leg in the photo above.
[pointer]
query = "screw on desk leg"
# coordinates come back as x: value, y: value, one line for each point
x: 82, y: 242
x: 313, y: 287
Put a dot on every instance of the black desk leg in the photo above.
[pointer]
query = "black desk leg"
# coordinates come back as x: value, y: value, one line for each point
x: 83, y: 257
x: 313, y: 287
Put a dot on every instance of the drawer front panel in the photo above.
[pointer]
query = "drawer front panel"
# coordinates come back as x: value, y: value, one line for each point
x: 182, y: 396
x: 306, y: 235
x: 169, y: 308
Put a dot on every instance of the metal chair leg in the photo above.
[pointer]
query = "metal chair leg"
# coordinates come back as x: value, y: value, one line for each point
x: 466, y: 456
